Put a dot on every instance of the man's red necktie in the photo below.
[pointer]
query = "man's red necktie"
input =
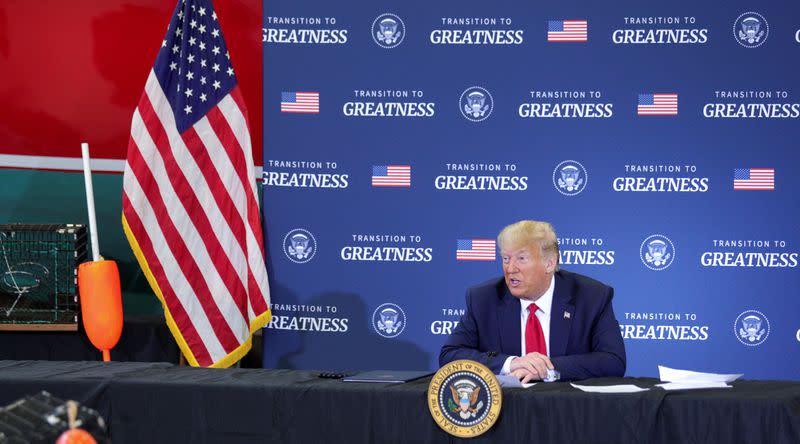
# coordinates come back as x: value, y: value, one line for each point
x: 534, y: 337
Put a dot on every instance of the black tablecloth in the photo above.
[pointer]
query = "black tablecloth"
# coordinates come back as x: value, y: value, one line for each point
x: 166, y: 403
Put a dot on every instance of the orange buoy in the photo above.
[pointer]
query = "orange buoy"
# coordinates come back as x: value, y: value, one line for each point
x: 76, y: 436
x: 101, y: 303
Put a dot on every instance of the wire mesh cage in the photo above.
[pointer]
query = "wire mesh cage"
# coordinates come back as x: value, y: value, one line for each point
x: 38, y: 273
x: 41, y: 418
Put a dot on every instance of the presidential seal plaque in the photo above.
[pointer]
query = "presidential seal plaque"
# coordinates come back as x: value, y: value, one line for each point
x: 464, y: 398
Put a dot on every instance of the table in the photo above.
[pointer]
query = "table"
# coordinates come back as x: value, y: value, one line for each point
x: 161, y: 402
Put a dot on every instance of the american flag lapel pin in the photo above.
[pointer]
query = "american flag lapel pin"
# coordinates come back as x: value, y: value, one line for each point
x: 566, y: 315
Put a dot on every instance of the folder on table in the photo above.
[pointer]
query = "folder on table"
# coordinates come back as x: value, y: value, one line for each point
x: 387, y: 376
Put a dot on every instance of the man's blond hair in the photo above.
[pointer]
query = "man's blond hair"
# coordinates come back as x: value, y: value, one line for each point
x: 530, y: 233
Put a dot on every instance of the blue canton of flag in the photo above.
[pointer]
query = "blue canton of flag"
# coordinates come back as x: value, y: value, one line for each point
x: 193, y: 66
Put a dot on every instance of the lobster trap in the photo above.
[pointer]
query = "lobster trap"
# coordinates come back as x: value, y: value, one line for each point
x: 41, y: 418
x: 38, y: 275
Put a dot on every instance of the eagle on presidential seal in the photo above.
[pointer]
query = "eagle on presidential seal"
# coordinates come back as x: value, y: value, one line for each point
x: 465, y: 395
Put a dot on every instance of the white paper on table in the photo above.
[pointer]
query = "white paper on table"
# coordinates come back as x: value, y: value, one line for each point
x: 674, y: 375
x: 512, y: 381
x: 684, y: 385
x: 621, y: 388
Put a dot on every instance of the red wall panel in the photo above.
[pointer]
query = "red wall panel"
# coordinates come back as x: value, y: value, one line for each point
x: 74, y: 71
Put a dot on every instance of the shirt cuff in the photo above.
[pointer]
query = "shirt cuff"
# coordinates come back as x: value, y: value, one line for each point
x: 507, y: 365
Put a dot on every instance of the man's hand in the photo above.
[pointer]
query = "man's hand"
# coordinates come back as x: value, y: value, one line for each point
x: 530, y: 367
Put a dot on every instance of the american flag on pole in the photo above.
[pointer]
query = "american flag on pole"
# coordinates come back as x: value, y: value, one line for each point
x: 754, y: 179
x: 300, y: 102
x: 567, y: 30
x: 476, y: 250
x: 189, y: 205
x: 657, y: 105
x: 391, y: 176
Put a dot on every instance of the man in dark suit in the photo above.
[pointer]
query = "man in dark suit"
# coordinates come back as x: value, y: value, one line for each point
x: 538, y: 317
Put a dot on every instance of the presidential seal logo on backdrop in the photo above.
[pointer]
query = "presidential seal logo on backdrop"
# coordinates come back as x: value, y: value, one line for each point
x: 657, y: 252
x: 570, y: 178
x: 299, y: 245
x: 389, y: 320
x: 751, y: 29
x: 751, y: 328
x: 388, y: 30
x: 465, y: 398
x: 476, y: 104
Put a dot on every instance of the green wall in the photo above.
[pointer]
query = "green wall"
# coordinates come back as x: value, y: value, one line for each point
x: 28, y: 196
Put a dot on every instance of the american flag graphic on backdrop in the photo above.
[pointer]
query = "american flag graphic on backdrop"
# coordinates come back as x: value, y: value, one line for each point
x: 754, y: 179
x: 657, y: 105
x: 189, y: 198
x: 391, y: 175
x: 567, y: 30
x: 300, y: 102
x: 475, y: 250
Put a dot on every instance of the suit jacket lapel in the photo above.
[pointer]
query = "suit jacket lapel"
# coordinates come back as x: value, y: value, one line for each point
x: 508, y: 318
x: 562, y: 312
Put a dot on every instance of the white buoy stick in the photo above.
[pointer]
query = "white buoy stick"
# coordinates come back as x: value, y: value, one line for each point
x: 87, y: 176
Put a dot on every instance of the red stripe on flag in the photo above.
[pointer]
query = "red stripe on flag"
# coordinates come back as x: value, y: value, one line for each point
x: 252, y: 204
x: 236, y: 156
x: 221, y: 196
x: 175, y: 242
x: 192, y: 205
x: 228, y: 141
x: 183, y: 256
x: 218, y: 254
x: 176, y: 309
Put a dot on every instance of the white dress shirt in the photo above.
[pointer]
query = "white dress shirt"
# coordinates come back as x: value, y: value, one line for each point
x: 545, y: 304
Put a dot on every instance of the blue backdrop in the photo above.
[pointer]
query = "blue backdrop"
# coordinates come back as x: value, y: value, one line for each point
x: 499, y: 121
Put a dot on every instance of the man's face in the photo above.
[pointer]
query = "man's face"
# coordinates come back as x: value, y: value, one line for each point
x: 527, y: 274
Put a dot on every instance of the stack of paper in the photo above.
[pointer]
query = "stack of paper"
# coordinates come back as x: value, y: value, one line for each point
x: 674, y: 379
x: 621, y: 388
